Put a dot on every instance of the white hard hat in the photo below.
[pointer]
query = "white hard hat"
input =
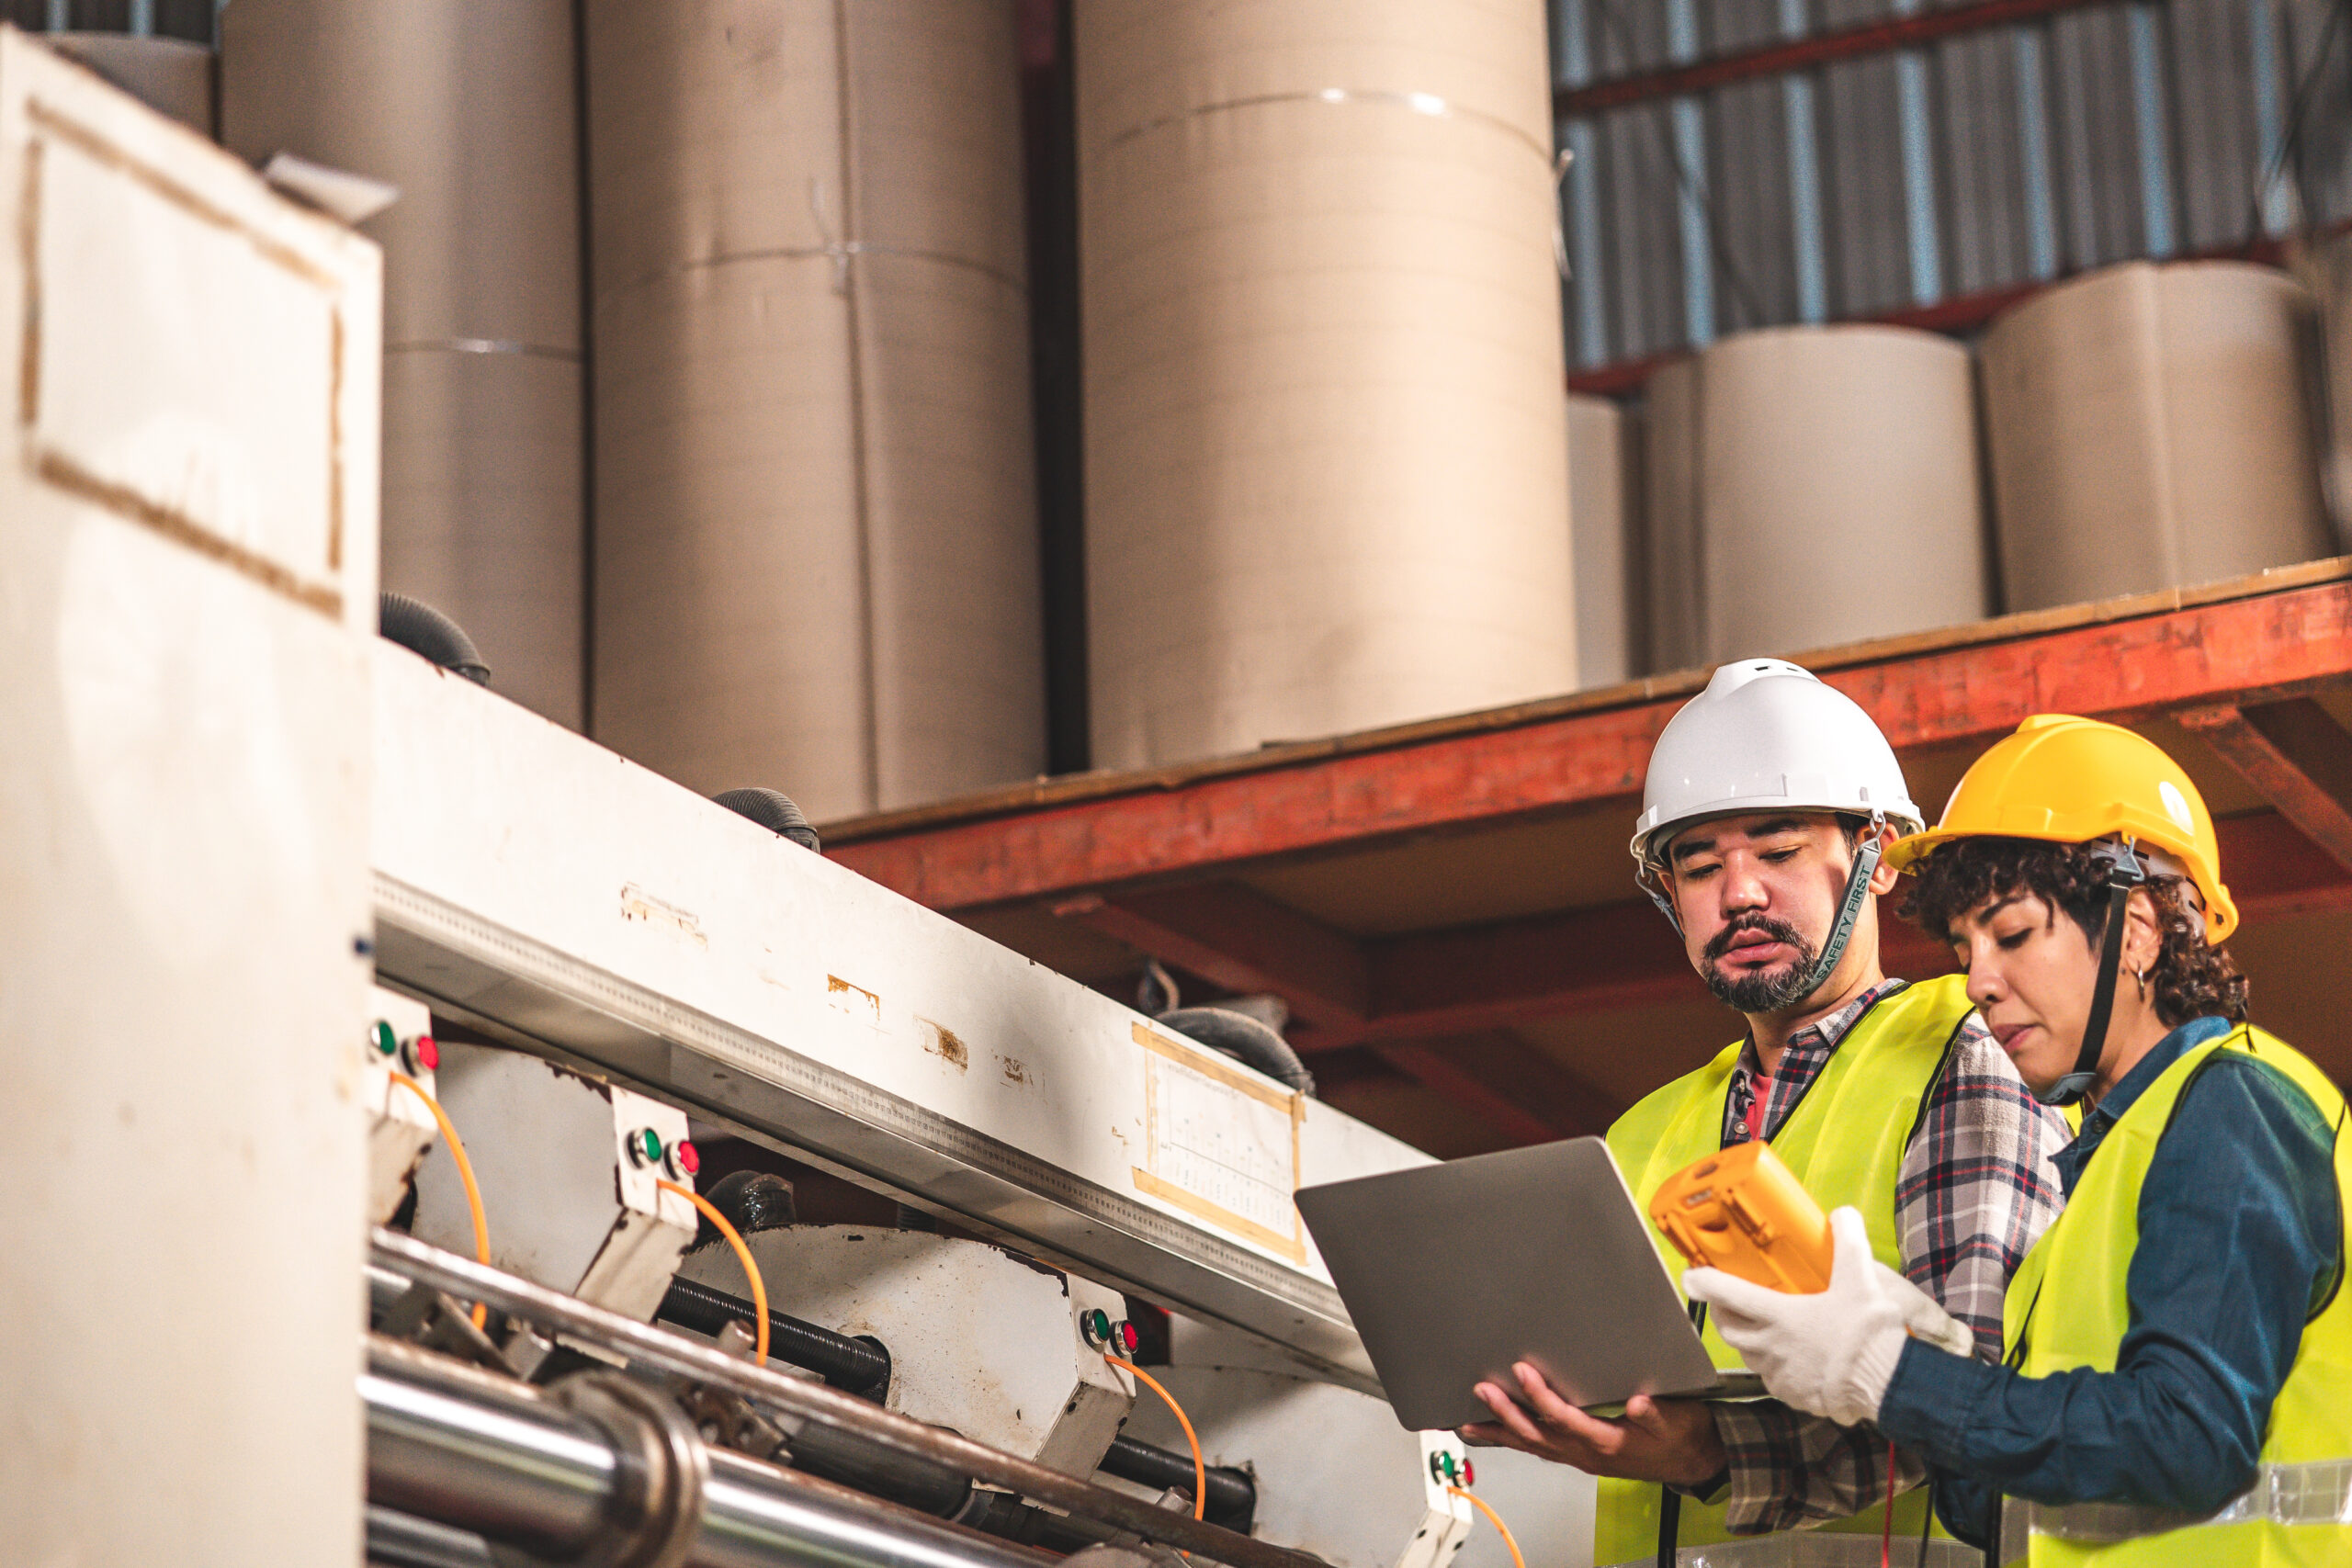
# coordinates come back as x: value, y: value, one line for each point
x: 1765, y: 734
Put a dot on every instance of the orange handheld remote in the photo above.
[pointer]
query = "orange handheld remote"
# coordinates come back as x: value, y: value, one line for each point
x: 1745, y: 1213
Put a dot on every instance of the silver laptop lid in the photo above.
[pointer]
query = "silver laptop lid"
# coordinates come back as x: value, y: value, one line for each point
x: 1454, y: 1271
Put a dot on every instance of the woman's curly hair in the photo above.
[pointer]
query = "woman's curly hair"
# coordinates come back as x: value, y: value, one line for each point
x: 2191, y: 979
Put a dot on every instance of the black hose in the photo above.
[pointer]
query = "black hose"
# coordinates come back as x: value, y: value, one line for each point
x: 428, y: 632
x: 860, y: 1366
x: 1233, y: 1496
x: 1246, y: 1040
x: 774, y: 811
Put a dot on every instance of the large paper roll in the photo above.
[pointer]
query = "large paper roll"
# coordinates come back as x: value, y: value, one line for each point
x: 1325, y: 483
x: 1603, y: 490
x: 2329, y: 269
x: 481, y: 465
x: 169, y: 76
x: 2149, y: 428
x: 816, y: 553
x: 469, y: 109
x: 1811, y: 486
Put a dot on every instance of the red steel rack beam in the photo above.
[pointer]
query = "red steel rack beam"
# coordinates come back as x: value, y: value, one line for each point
x: 1098, y: 835
x: 1780, y: 59
x: 1446, y: 984
x: 1958, y: 315
x: 2295, y: 757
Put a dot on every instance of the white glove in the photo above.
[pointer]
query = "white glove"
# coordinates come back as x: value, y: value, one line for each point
x: 1832, y: 1353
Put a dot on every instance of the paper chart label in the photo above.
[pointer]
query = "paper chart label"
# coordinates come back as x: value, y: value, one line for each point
x: 1220, y: 1145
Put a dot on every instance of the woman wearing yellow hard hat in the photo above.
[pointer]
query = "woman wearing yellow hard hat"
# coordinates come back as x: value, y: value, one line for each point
x: 2178, y: 1382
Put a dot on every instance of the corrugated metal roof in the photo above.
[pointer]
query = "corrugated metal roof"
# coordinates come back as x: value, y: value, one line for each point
x: 1976, y: 164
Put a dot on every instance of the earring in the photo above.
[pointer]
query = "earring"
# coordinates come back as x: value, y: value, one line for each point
x: 2143, y: 977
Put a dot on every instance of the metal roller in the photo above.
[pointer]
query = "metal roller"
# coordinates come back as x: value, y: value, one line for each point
x: 797, y: 1402
x: 597, y: 1472
x: 759, y: 1516
x: 468, y: 1452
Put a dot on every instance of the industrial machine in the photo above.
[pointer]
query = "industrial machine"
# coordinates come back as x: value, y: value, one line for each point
x: 333, y: 977
x: 615, y: 946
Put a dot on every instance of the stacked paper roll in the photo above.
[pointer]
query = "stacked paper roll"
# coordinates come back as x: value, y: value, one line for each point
x: 1812, y: 486
x: 2329, y: 270
x: 469, y: 109
x: 1325, y: 483
x: 1675, y: 578
x: 169, y: 76
x: 816, y: 555
x: 1603, y: 471
x: 2149, y: 428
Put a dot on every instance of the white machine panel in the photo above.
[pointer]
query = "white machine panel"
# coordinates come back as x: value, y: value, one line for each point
x: 982, y: 1342
x: 188, y: 590
x: 569, y: 1204
x: 547, y: 891
x: 399, y: 1123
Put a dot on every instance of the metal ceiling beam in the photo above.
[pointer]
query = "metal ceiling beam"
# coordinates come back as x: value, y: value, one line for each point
x: 2297, y: 757
x: 1547, y: 1088
x: 1498, y: 1078
x: 1100, y: 835
x: 1471, y: 981
x: 2275, y: 872
x: 1623, y: 955
x: 1501, y: 1109
x: 1619, y: 955
x: 1806, y: 53
x: 1237, y: 936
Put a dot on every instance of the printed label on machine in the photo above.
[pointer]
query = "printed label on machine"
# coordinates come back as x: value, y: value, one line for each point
x: 1220, y: 1145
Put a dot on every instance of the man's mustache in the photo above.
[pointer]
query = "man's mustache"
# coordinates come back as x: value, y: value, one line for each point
x: 1778, y: 930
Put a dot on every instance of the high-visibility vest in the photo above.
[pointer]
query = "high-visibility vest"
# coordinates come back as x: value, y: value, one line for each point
x: 1845, y: 1142
x: 2068, y: 1308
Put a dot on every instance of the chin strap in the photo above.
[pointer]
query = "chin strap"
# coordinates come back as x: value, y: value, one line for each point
x: 1849, y: 908
x: 1647, y: 878
x: 2123, y: 874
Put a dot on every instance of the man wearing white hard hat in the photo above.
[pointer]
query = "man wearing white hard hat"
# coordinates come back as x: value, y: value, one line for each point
x: 1770, y: 799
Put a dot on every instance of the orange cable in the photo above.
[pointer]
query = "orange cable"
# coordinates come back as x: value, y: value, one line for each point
x: 465, y: 1174
x: 735, y: 1240
x: 1494, y: 1518
x: 1200, y: 1467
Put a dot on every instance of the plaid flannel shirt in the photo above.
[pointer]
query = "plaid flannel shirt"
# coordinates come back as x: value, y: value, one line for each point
x: 1975, y: 1188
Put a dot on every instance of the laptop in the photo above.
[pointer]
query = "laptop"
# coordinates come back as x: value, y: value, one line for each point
x: 1454, y: 1271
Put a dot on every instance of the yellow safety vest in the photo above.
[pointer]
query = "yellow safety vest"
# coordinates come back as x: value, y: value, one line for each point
x: 1845, y: 1142
x: 2299, y: 1510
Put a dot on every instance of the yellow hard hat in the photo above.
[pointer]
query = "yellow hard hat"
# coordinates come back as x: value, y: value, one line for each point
x: 2070, y: 781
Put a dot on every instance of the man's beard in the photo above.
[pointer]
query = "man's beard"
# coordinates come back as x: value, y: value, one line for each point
x: 1761, y: 991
